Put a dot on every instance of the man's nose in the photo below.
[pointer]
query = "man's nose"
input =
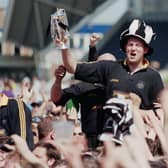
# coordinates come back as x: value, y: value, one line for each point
x: 133, y: 47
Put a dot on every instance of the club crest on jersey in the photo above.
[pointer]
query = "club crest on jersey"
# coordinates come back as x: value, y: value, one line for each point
x: 140, y: 85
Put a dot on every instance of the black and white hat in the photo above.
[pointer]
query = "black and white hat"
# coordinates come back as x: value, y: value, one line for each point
x: 140, y: 30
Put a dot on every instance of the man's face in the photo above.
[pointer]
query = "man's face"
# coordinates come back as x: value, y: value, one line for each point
x: 135, y: 50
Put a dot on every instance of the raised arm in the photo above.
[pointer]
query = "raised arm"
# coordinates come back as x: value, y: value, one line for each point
x: 56, y: 87
x: 94, y: 38
x: 69, y: 61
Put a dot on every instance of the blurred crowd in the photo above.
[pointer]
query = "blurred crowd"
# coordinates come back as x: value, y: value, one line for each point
x: 60, y: 143
x: 41, y: 129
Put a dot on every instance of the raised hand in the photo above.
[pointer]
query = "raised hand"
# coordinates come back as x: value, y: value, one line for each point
x: 62, y: 43
x: 60, y: 72
x: 94, y: 39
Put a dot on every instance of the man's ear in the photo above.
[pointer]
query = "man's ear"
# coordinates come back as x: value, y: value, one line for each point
x: 50, y: 161
x: 52, y: 135
x: 146, y: 49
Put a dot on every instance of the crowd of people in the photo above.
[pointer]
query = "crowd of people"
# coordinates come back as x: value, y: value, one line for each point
x: 116, y: 116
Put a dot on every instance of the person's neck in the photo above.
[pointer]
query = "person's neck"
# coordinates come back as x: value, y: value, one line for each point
x: 135, y: 67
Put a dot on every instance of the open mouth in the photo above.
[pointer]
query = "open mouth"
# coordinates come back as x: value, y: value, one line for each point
x: 133, y: 54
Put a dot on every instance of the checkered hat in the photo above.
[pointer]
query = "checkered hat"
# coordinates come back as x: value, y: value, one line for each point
x: 140, y: 30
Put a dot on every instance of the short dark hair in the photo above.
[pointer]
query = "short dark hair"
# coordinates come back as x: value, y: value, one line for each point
x: 44, y: 127
x: 158, y: 164
x: 90, y: 160
x: 51, y: 151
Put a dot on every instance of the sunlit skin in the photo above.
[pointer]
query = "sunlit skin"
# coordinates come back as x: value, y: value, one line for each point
x: 2, y: 157
x: 135, y: 50
x: 41, y: 154
x: 79, y: 138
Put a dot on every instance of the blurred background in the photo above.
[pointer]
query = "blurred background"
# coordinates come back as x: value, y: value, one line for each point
x: 26, y: 48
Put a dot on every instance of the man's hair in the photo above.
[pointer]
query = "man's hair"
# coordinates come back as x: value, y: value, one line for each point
x: 51, y: 151
x: 90, y: 160
x: 63, y: 163
x: 155, y: 146
x: 44, y: 127
x: 158, y: 164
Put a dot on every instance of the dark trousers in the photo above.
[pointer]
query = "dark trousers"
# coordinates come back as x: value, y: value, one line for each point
x: 93, y: 141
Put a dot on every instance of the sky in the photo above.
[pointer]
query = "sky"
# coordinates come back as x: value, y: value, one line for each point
x: 3, y: 3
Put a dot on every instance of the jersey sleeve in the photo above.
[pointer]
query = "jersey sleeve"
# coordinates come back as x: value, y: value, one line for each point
x: 74, y: 92
x: 20, y: 121
x: 94, y: 72
x: 157, y: 86
x: 92, y: 54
